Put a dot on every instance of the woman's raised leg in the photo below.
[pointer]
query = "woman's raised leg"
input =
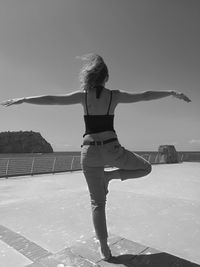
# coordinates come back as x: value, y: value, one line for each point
x: 130, y: 166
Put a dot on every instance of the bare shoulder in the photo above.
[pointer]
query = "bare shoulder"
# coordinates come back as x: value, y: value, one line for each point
x: 115, y: 93
x: 129, y: 97
x: 74, y: 97
x: 114, y: 100
x: 79, y: 95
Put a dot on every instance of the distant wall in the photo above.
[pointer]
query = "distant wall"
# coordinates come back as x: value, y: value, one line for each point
x: 190, y: 156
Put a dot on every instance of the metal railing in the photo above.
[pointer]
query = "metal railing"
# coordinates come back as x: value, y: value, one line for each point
x: 156, y: 157
x: 23, y: 165
x: 38, y: 165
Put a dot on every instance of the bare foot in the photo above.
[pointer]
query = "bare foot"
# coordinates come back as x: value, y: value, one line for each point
x: 105, y: 252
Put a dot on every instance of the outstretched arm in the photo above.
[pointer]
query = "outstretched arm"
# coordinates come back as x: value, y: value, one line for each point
x: 72, y: 98
x: 125, y: 97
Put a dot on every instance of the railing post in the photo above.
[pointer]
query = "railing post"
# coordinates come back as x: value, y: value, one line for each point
x: 7, y: 166
x: 54, y: 163
x: 182, y: 156
x: 72, y: 163
x: 156, y: 159
x: 32, y: 166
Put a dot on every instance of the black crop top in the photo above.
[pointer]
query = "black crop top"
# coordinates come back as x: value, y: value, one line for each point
x: 98, y: 123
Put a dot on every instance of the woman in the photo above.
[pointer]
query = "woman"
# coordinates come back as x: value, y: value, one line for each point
x: 100, y: 143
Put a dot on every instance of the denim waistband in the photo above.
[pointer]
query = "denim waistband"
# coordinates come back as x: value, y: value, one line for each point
x: 99, y: 143
x: 102, y: 136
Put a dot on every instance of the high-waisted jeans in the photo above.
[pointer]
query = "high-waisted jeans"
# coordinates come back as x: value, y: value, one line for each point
x: 93, y: 160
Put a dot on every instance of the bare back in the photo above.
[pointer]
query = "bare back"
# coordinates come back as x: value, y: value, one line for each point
x: 99, y: 106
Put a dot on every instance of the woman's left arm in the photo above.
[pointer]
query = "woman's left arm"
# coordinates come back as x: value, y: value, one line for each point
x: 151, y: 95
x: 68, y: 99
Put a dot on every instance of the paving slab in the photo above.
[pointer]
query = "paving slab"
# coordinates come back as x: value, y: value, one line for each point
x: 128, y: 253
x: 51, y: 213
x: 24, y: 246
x: 8, y: 256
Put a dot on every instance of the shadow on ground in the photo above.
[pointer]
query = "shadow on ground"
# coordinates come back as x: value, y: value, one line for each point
x: 154, y: 260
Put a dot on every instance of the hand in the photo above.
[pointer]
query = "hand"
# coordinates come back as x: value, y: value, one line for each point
x: 181, y: 96
x: 14, y: 101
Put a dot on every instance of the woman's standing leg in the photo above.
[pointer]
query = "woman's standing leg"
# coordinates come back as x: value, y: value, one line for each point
x: 96, y: 184
x: 94, y: 178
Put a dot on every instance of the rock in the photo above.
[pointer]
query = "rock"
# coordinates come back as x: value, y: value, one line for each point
x: 23, y: 142
x: 167, y: 154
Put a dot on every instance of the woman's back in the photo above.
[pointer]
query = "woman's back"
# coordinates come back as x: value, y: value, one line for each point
x: 99, y: 110
x: 105, y: 104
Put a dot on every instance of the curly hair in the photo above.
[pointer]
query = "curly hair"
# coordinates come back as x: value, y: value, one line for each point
x: 94, y: 72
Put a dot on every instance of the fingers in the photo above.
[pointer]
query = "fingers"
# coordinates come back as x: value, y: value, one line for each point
x: 182, y: 97
x: 10, y: 102
x: 6, y: 103
x: 185, y: 98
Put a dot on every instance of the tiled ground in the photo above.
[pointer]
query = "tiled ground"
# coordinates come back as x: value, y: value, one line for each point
x: 46, y: 221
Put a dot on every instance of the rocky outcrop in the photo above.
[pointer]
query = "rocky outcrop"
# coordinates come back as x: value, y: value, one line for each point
x: 167, y: 154
x: 23, y: 142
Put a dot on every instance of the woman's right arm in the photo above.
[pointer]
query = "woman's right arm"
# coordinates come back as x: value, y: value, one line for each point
x: 126, y: 97
x: 68, y: 99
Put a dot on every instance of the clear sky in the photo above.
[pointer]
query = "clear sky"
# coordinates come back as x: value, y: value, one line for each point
x: 147, y: 45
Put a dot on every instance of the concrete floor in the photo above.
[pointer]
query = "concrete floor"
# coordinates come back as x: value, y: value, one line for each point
x: 161, y: 210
